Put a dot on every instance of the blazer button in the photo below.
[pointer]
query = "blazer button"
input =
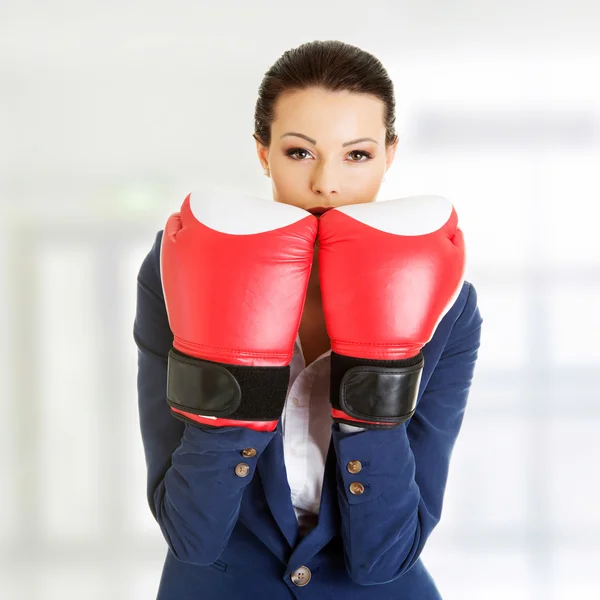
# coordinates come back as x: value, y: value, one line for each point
x: 354, y: 466
x: 242, y: 469
x: 357, y: 488
x: 301, y: 576
x: 249, y: 452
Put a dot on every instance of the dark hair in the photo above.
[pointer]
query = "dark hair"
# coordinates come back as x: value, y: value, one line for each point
x: 331, y: 65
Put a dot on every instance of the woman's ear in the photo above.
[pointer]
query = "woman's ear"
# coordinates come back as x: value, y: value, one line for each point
x: 391, y: 153
x: 262, y: 151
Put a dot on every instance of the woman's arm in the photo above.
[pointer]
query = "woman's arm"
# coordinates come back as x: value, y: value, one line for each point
x: 193, y: 492
x: 405, y: 469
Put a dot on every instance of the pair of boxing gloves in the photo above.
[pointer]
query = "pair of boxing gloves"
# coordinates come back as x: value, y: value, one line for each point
x: 235, y: 271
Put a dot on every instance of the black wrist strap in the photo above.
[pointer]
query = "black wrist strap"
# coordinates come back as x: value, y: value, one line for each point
x: 383, y: 392
x: 228, y: 391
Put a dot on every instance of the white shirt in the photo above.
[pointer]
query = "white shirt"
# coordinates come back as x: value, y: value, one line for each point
x: 306, y: 431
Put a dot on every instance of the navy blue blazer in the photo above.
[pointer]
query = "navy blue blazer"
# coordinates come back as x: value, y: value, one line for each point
x: 236, y: 537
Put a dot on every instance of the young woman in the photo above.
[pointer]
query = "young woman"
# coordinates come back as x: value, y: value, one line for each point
x: 304, y: 364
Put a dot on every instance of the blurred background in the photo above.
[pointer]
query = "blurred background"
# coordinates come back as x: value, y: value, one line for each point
x: 111, y: 113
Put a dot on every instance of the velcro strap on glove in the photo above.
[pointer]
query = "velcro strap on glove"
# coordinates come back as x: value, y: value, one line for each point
x: 384, y: 393
x: 228, y: 391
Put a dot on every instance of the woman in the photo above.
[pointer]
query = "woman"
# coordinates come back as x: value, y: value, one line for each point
x: 338, y: 497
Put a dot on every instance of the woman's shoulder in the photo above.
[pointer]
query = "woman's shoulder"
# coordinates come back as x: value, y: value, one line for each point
x: 464, y: 315
x: 149, y: 272
x: 151, y: 328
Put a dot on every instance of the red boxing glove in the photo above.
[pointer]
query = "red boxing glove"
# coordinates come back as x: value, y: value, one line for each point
x: 389, y: 272
x: 235, y: 270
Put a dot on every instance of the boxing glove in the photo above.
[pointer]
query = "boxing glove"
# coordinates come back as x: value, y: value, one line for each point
x: 235, y: 271
x: 389, y: 272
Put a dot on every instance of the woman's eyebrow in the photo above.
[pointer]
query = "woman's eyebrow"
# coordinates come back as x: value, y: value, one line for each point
x: 314, y: 143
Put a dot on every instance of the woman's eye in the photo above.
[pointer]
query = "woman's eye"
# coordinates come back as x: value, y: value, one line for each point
x: 367, y: 155
x: 293, y: 151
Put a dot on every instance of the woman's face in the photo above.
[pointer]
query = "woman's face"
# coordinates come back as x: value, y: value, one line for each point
x: 328, y: 167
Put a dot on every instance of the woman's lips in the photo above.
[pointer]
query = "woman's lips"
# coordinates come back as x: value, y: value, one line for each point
x: 319, y: 210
